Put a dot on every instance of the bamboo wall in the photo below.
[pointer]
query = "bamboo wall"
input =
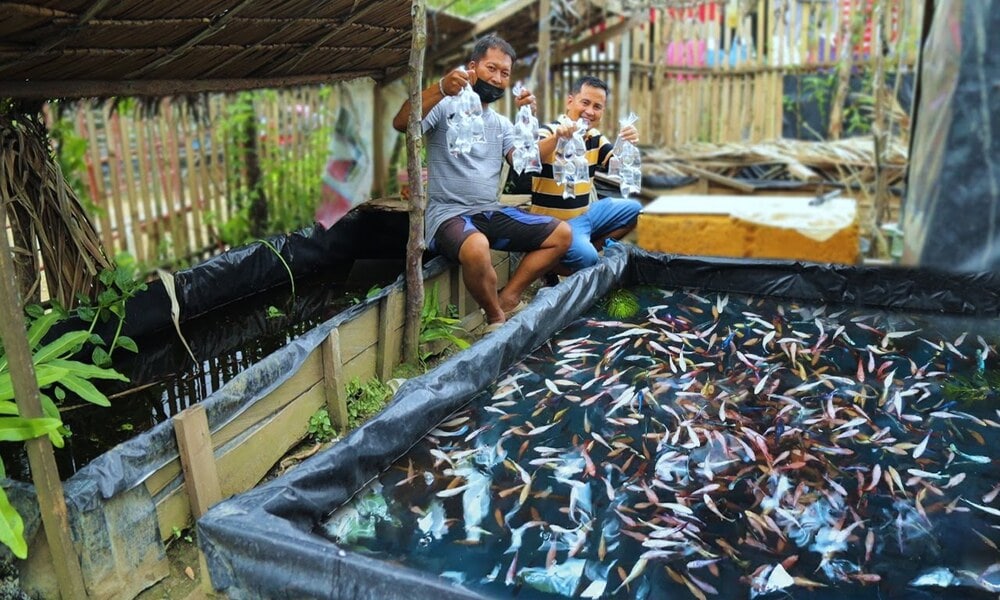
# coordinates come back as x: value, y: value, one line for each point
x: 712, y: 71
x: 164, y: 186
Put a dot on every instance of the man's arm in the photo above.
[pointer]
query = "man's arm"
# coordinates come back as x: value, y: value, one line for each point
x: 449, y: 85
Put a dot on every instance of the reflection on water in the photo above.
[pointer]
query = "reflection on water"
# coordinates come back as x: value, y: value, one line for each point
x: 164, y: 381
x: 713, y: 446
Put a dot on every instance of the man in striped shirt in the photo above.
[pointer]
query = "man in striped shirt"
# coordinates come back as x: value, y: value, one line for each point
x: 592, y: 222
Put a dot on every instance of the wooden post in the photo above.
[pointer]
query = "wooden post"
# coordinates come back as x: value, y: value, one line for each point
x: 194, y: 445
x: 378, y: 141
x: 414, y: 142
x: 624, y: 76
x: 44, y: 473
x: 541, y: 90
x: 334, y: 386
x: 387, y: 356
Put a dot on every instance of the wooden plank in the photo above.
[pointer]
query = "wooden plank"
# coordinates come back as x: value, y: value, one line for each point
x: 715, y: 177
x: 308, y: 375
x: 194, y: 445
x: 359, y: 333
x: 392, y: 311
x: 193, y: 187
x: 457, y: 286
x: 87, y: 129
x: 334, y: 381
x: 361, y: 366
x: 132, y: 192
x: 244, y: 465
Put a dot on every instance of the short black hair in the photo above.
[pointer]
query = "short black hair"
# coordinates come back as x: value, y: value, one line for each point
x: 593, y: 82
x: 492, y: 41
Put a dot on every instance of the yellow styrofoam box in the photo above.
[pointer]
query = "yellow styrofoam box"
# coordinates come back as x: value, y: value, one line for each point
x: 752, y: 227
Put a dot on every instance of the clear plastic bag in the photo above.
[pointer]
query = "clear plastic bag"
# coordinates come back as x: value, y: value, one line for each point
x: 526, y: 158
x: 570, y: 166
x: 465, y: 123
x: 626, y: 161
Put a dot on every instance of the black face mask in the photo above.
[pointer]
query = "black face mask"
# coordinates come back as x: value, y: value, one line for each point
x: 487, y: 92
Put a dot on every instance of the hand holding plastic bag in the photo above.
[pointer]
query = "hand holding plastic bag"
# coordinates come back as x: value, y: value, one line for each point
x: 570, y: 166
x: 526, y: 158
x: 626, y: 161
x: 465, y: 123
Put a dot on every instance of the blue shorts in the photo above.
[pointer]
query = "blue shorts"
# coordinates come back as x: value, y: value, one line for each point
x: 603, y: 217
x: 510, y: 229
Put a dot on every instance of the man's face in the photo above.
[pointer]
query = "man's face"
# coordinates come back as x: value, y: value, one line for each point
x: 493, y: 68
x: 589, y: 104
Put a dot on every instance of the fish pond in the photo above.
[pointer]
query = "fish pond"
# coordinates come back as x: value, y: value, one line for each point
x: 711, y: 446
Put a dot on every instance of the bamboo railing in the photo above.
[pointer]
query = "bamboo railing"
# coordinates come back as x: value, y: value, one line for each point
x: 713, y: 71
x: 172, y: 187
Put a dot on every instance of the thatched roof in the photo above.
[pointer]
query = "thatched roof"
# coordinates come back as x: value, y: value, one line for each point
x: 77, y: 48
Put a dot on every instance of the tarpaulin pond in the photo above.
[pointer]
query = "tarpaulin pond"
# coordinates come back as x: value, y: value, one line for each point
x: 753, y: 429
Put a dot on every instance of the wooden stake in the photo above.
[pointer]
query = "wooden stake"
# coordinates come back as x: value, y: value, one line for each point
x: 334, y: 385
x: 414, y: 142
x: 44, y: 473
x: 542, y: 91
x: 194, y: 445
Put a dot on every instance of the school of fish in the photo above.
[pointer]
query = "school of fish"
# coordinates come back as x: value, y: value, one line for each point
x: 713, y: 440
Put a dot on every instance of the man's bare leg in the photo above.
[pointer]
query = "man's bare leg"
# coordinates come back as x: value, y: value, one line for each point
x: 480, y: 277
x: 534, y: 265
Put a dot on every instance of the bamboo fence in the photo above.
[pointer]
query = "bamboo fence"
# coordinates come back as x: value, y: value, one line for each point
x: 168, y: 187
x: 713, y: 71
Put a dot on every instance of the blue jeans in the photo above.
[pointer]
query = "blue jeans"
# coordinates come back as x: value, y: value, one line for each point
x: 603, y: 217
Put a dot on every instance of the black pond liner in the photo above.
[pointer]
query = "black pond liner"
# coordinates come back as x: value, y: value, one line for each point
x: 260, y: 544
x: 112, y: 516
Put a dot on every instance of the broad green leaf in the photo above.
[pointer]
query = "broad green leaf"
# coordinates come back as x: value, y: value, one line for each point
x: 40, y: 327
x: 45, y: 375
x: 65, y: 344
x: 3, y: 470
x: 100, y: 357
x: 19, y: 429
x: 87, y: 371
x: 87, y: 313
x: 84, y: 389
x: 8, y: 407
x: 127, y: 343
x: 12, y: 528
x: 106, y: 277
x: 50, y: 409
x: 96, y: 339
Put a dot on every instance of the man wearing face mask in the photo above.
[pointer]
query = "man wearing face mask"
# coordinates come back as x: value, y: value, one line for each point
x: 464, y: 217
x: 592, y: 222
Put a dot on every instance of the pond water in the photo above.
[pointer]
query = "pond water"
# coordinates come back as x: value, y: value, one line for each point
x: 711, y: 446
x: 163, y: 380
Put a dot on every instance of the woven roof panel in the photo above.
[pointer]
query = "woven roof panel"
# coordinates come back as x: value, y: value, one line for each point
x: 51, y: 48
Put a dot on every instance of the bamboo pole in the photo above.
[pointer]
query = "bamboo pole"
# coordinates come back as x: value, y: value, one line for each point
x: 44, y: 473
x: 86, y: 128
x: 414, y: 142
x: 849, y: 30
x: 177, y: 206
x: 115, y: 157
x: 132, y: 195
x: 147, y: 193
x: 193, y: 186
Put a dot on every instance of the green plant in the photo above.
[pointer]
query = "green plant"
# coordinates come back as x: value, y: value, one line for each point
x: 120, y: 284
x: 975, y: 388
x: 621, y: 304
x: 437, y: 326
x: 179, y: 533
x: 365, y: 399
x: 320, y: 428
x: 55, y: 373
x: 273, y: 312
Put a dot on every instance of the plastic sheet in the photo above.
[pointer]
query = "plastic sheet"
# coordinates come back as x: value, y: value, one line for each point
x: 261, y: 544
x: 951, y: 217
x: 111, y: 513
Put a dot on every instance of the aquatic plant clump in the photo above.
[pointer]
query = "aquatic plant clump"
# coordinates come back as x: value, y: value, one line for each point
x: 714, y: 446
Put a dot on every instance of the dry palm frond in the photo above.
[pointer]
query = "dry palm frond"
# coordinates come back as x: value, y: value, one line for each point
x: 45, y: 214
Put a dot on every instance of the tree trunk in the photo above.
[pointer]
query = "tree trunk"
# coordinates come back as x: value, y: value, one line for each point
x: 258, y: 200
x: 414, y: 143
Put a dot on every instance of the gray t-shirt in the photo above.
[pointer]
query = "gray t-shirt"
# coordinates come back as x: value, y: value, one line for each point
x: 465, y: 184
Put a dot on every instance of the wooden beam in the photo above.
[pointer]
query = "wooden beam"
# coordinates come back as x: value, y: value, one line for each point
x: 389, y: 342
x: 194, y: 446
x: 492, y: 19
x: 379, y: 126
x: 714, y: 177
x: 334, y: 385
x: 163, y: 87
x: 44, y: 473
